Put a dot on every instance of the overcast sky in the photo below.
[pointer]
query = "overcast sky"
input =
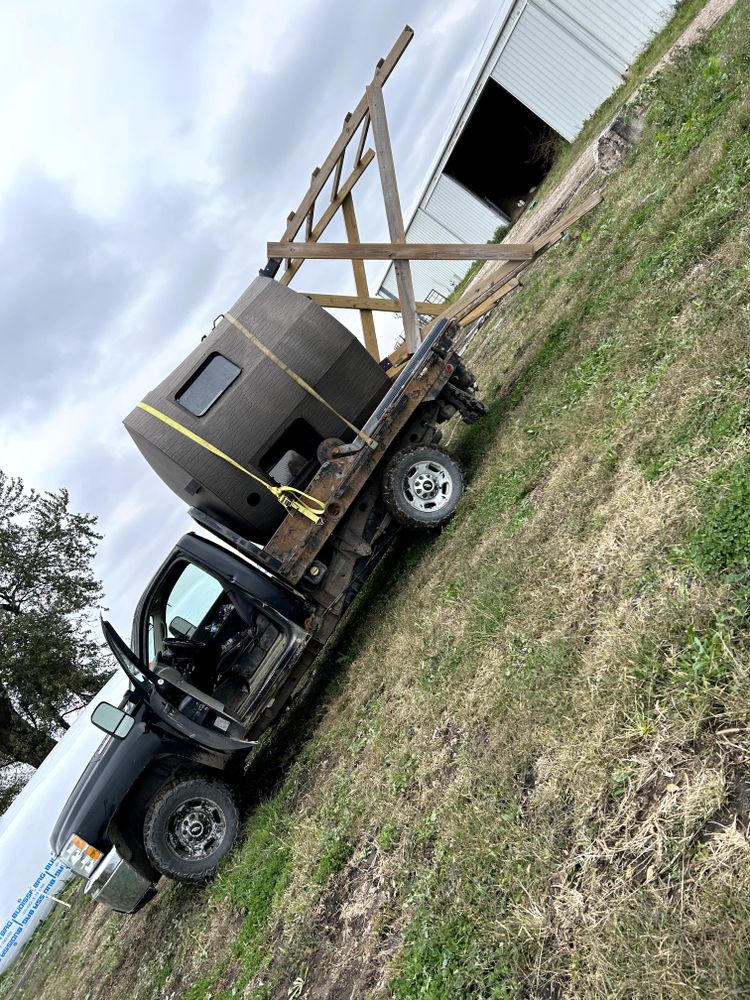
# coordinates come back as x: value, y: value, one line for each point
x: 150, y: 149
x: 149, y: 152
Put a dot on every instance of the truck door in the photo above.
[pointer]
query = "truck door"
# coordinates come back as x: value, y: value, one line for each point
x: 176, y: 703
x: 216, y: 635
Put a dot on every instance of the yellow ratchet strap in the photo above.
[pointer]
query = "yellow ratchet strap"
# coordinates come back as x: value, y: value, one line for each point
x: 287, y: 496
x: 298, y: 379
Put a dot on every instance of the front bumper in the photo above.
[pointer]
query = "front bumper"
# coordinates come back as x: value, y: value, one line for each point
x: 118, y: 886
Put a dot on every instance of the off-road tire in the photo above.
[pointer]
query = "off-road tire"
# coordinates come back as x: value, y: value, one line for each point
x: 398, y: 491
x: 165, y: 834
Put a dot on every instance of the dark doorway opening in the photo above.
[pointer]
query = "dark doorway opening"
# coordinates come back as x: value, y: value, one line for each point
x: 504, y: 152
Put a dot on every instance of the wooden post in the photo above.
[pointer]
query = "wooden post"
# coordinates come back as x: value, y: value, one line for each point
x: 381, y: 138
x: 360, y: 278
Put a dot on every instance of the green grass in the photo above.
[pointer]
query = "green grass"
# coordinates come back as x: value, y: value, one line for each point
x: 720, y: 543
x: 524, y: 769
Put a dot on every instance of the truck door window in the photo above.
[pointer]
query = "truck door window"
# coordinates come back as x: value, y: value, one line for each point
x: 195, y: 627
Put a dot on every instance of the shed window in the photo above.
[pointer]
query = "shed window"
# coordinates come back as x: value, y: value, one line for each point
x: 212, y: 379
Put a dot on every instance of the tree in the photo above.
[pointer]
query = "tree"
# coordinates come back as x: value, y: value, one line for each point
x: 50, y: 662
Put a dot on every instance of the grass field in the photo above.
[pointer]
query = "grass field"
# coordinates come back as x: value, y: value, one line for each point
x: 524, y: 769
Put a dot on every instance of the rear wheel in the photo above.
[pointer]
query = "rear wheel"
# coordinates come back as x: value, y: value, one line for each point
x: 191, y: 824
x: 422, y: 486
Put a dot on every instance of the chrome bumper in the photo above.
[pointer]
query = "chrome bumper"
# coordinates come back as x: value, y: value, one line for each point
x: 118, y: 886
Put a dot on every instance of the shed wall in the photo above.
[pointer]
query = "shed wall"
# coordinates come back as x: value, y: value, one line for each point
x: 563, y: 58
x: 451, y: 214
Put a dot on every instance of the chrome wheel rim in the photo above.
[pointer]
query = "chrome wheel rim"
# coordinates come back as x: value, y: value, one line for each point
x: 196, y: 828
x: 427, y: 486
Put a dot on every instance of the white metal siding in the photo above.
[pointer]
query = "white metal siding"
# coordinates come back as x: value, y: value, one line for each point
x: 553, y: 73
x: 624, y: 28
x: 451, y: 214
x: 561, y: 58
x: 428, y: 274
x: 469, y: 219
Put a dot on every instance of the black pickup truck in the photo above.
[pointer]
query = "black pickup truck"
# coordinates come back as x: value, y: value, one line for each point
x: 156, y: 798
x: 228, y: 628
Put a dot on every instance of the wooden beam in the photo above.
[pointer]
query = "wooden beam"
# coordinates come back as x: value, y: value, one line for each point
x: 347, y: 134
x: 485, y: 287
x: 375, y: 302
x: 339, y: 165
x: 490, y: 302
x: 554, y: 233
x: 337, y: 176
x: 360, y: 279
x: 400, y: 251
x: 311, y: 214
x: 387, y: 168
x: 499, y: 276
x: 398, y: 358
x: 362, y: 138
x: 325, y: 220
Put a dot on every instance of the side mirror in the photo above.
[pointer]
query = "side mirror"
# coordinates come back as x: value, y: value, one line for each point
x: 181, y: 628
x: 112, y: 720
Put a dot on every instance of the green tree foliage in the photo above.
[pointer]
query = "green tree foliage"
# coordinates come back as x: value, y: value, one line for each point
x: 50, y: 663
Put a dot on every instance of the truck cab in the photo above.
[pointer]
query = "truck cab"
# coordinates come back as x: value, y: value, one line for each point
x: 214, y: 642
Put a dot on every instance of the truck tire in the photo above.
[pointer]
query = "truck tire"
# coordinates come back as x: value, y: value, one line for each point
x: 191, y: 824
x: 422, y: 486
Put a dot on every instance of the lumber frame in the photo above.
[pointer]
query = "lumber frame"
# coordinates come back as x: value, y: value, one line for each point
x: 351, y: 125
x: 369, y: 119
x: 328, y: 215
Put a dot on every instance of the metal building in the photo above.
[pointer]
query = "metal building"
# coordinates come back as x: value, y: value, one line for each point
x: 548, y: 67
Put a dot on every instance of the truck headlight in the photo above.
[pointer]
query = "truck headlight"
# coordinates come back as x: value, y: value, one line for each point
x: 80, y: 857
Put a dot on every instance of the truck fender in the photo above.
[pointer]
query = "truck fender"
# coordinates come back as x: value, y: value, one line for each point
x: 126, y: 827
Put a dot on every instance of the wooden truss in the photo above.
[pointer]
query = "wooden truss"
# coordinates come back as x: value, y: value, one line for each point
x: 369, y: 118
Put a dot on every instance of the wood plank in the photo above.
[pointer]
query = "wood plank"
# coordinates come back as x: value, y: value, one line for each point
x: 389, y: 184
x: 362, y: 138
x: 325, y: 220
x: 374, y: 302
x: 311, y: 214
x: 490, y: 302
x: 360, y: 279
x: 337, y: 176
x: 400, y: 251
x: 499, y: 276
x: 339, y: 165
x: 555, y: 232
x: 347, y: 134
x: 398, y: 358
